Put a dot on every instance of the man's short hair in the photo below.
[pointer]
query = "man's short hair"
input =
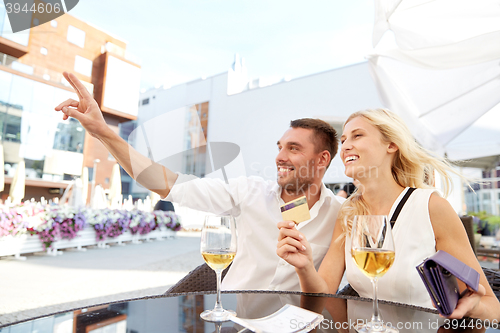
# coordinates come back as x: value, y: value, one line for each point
x: 324, y: 135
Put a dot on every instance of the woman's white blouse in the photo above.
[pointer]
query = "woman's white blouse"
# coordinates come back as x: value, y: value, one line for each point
x: 414, y: 241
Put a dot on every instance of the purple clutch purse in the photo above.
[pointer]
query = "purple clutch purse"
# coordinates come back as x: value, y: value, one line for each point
x: 439, y: 274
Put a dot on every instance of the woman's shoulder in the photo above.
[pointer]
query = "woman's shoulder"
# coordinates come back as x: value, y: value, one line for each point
x: 443, y: 217
x: 427, y: 191
x: 425, y: 195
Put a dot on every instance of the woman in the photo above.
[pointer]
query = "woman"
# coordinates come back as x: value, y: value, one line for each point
x: 379, y: 152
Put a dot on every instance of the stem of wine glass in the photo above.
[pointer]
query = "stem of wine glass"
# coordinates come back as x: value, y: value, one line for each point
x: 218, y: 304
x: 376, y: 320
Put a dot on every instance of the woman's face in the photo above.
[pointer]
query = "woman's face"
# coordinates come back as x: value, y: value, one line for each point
x: 364, y: 152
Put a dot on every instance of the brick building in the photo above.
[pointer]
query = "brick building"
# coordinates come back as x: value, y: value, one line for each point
x: 31, y: 85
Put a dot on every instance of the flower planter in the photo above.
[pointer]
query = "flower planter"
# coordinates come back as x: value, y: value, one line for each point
x: 125, y: 237
x: 51, y: 224
x: 84, y: 237
x: 155, y: 234
x: 17, y: 245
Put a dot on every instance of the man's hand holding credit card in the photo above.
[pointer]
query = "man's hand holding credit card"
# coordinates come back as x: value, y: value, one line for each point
x: 296, y: 210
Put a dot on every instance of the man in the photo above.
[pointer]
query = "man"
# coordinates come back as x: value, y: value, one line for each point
x: 305, y: 152
x: 347, y: 190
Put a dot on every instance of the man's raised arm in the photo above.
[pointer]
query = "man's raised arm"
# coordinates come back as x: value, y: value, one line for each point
x: 148, y: 173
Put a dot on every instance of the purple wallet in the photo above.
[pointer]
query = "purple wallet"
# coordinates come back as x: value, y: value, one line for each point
x: 439, y: 273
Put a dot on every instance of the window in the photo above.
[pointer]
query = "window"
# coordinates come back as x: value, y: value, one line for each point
x: 21, y: 37
x: 22, y: 68
x: 76, y: 36
x: 43, y: 51
x: 69, y: 136
x: 83, y: 66
x: 34, y: 168
x: 2, y: 16
x: 67, y: 176
x: 126, y: 129
x: 53, y: 23
x: 145, y: 101
x: 486, y: 196
x: 12, y: 128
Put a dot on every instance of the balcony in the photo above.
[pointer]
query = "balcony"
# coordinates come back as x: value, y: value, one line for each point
x: 12, y: 48
x: 38, y: 73
x: 15, y: 45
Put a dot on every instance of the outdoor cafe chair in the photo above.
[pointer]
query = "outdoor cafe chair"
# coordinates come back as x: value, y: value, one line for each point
x: 202, y: 278
x: 493, y: 277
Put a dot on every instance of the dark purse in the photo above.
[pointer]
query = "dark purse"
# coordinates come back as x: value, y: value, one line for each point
x: 439, y: 274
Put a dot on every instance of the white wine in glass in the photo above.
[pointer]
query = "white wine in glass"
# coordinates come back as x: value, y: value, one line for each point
x: 372, y: 248
x: 218, y: 248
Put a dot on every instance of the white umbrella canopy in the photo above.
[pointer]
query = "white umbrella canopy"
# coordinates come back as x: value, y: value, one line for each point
x: 421, y: 24
x: 115, y: 185
x: 16, y: 193
x: 99, y: 199
x: 76, y: 198
x: 85, y: 185
x: 2, y: 173
x: 444, y: 73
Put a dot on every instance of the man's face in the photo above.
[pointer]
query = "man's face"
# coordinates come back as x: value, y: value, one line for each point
x: 296, y: 160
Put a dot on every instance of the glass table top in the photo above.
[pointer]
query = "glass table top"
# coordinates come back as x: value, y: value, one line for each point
x: 181, y: 313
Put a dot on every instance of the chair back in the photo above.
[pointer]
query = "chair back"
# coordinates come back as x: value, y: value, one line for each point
x: 202, y: 278
x: 469, y: 228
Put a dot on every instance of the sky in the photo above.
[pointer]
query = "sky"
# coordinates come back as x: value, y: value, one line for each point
x: 182, y: 40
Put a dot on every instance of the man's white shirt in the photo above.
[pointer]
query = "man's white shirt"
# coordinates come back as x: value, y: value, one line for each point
x: 255, y: 204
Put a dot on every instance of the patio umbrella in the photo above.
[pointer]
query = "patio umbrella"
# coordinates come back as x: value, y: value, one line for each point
x: 443, y: 75
x: 2, y: 173
x: 115, y: 186
x: 99, y: 199
x: 75, y: 199
x: 155, y: 197
x: 85, y: 185
x: 16, y: 193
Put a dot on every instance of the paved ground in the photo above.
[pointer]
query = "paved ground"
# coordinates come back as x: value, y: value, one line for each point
x: 44, y: 284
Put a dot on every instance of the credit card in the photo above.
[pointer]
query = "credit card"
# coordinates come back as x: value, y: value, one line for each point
x: 296, y: 210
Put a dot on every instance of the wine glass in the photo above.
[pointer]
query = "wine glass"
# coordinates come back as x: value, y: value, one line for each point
x: 218, y: 248
x: 372, y: 249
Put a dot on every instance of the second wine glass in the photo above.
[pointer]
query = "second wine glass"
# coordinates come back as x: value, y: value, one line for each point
x: 218, y: 248
x: 372, y: 248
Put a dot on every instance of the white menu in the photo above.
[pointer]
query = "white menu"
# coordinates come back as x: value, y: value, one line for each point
x: 288, y: 319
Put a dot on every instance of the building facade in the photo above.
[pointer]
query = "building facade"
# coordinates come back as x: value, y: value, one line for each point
x: 32, y: 84
x: 485, y: 196
x: 253, y: 114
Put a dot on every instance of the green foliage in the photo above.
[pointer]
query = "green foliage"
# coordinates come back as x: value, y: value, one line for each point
x: 482, y: 215
x: 494, y: 220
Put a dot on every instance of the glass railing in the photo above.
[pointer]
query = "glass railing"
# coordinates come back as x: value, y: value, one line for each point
x: 40, y: 72
x: 2, y: 16
x: 6, y: 60
x: 21, y: 37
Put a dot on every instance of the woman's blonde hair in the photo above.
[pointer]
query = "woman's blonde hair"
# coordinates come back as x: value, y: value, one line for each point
x: 412, y: 166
